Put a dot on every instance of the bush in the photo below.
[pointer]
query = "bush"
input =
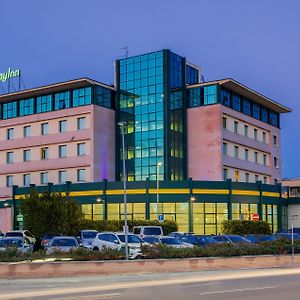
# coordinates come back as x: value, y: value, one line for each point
x: 116, y: 225
x: 245, y: 227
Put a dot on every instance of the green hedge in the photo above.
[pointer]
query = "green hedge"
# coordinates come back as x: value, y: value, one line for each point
x: 245, y: 227
x: 116, y: 225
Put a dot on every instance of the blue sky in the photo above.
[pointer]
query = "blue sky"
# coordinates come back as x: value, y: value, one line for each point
x: 256, y: 42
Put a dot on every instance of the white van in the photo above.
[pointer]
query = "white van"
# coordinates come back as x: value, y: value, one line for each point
x: 144, y: 231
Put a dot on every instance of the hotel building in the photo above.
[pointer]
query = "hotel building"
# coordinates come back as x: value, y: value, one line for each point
x: 178, y: 130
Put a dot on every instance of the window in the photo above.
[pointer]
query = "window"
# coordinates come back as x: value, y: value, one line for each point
x: 256, y: 111
x: 224, y: 123
x: 246, y: 154
x: 44, y: 177
x: 26, y: 107
x: 256, y: 157
x: 276, y: 162
x: 225, y: 174
x: 44, y: 153
x: 247, y: 107
x: 224, y: 148
x: 256, y: 178
x: 236, y: 126
x: 247, y: 177
x: 62, y: 151
x: 44, y: 103
x: 82, y: 96
x: 9, y: 180
x: 26, y: 155
x: 44, y: 128
x: 81, y: 149
x: 236, y: 102
x: 265, y: 159
x: 9, y: 157
x: 9, y: 110
x: 225, y: 94
x: 274, y: 119
x: 81, y: 175
x: 246, y: 127
x: 26, y: 179
x: 264, y: 115
x: 210, y: 94
x: 62, y: 176
x: 27, y: 131
x: 61, y: 100
x: 255, y: 133
x: 264, y: 137
x: 10, y: 133
x: 63, y: 126
x: 236, y: 151
x: 236, y: 175
x: 265, y: 179
x: 275, y: 140
x: 81, y: 123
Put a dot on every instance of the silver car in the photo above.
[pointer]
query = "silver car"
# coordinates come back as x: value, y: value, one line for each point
x: 63, y: 244
x: 22, y: 244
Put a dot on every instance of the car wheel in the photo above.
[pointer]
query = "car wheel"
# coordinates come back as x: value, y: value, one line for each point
x: 96, y: 249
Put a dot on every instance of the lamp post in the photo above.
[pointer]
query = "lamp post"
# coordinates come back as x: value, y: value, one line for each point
x: 294, y: 217
x: 122, y: 127
x: 157, y: 190
x: 191, y: 223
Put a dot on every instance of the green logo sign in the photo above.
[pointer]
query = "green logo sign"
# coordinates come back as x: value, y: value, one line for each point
x: 9, y: 74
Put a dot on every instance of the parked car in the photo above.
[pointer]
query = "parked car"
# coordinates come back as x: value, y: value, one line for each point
x: 21, y: 233
x: 143, y: 231
x: 177, y: 234
x: 231, y: 239
x: 63, y: 244
x: 259, y: 238
x: 46, y: 239
x: 151, y: 240
x: 86, y: 237
x: 1, y: 234
x: 172, y: 242
x: 198, y: 240
x: 112, y: 240
x: 22, y: 244
x: 287, y: 236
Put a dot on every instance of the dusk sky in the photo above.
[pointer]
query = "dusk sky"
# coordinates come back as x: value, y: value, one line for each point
x: 255, y: 42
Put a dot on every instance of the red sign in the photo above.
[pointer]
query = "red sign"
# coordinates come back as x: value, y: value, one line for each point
x: 255, y: 217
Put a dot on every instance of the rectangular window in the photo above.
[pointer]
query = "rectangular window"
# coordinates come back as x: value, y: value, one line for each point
x: 246, y: 154
x: 44, y: 128
x: 256, y: 111
x: 265, y: 159
x: 255, y: 133
x: 236, y: 151
x: 62, y: 176
x: 26, y: 155
x: 224, y: 123
x: 81, y: 123
x: 247, y: 177
x: 9, y: 180
x: 44, y: 177
x: 225, y: 94
x: 276, y: 162
x: 26, y: 107
x: 256, y: 157
x: 210, y: 94
x: 225, y: 174
x: 256, y: 178
x: 61, y: 100
x: 246, y: 129
x: 82, y: 96
x: 9, y: 157
x: 247, y: 107
x: 275, y: 140
x: 9, y: 110
x: 62, y: 151
x: 224, y: 148
x: 236, y: 175
x: 10, y: 134
x: 63, y: 126
x: 81, y: 175
x: 236, y: 102
x: 236, y: 126
x: 27, y: 131
x: 265, y: 179
x: 26, y: 179
x: 264, y: 115
x: 264, y: 137
x: 274, y: 119
x: 44, y: 153
x: 44, y: 103
x: 81, y: 149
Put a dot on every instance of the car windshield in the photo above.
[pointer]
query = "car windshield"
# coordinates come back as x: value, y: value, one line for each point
x: 50, y: 236
x: 205, y: 239
x: 170, y: 241
x: 89, y: 234
x: 14, y: 234
x: 152, y: 231
x: 64, y: 243
x: 151, y: 240
x: 131, y: 238
x: 237, y: 239
x: 11, y: 243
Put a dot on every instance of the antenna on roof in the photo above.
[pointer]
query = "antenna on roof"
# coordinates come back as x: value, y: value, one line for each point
x: 126, y: 51
x: 202, y: 79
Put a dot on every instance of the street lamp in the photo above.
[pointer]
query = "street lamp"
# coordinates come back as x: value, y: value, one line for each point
x: 157, y: 190
x: 192, y: 199
x: 122, y: 127
x: 294, y: 217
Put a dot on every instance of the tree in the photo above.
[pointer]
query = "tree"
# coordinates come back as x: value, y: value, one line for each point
x: 51, y: 213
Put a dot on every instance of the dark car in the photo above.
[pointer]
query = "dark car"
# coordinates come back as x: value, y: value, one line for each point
x: 198, y: 240
x: 46, y: 239
x: 287, y: 236
x: 231, y: 239
x: 259, y: 238
x: 151, y: 240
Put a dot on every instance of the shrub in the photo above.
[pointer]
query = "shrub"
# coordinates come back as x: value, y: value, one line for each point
x: 245, y: 227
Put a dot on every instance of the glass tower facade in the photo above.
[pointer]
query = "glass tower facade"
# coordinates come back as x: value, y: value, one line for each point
x: 151, y: 101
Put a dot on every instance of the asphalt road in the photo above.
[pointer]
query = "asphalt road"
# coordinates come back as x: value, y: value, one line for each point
x: 264, y: 284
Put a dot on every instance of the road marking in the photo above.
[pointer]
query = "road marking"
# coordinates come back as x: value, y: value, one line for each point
x: 239, y: 290
x: 196, y: 285
x: 91, y: 297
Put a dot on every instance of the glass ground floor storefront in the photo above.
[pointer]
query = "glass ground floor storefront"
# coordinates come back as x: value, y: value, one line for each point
x: 196, y: 206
